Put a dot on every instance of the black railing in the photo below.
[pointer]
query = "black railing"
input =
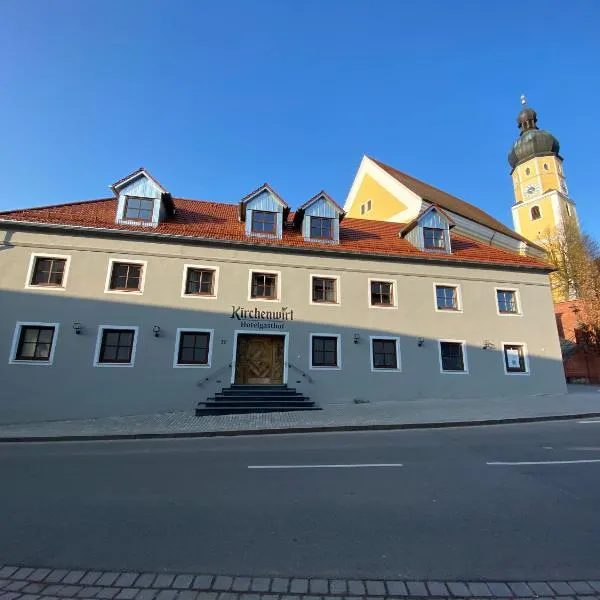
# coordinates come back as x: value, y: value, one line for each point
x: 306, y: 375
x: 213, y: 374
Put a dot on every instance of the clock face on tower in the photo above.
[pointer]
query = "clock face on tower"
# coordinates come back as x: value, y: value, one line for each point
x: 531, y: 189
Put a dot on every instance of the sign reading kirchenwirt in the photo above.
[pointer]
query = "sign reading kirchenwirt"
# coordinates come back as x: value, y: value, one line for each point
x: 254, y: 318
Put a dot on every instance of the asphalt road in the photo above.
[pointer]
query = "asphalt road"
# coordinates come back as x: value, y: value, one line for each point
x: 194, y: 505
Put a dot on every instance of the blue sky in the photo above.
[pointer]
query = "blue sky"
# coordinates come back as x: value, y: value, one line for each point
x: 214, y: 98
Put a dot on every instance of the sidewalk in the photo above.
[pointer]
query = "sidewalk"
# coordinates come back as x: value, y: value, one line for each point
x: 580, y: 402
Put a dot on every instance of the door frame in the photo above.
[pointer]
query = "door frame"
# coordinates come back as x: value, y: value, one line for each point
x: 284, y: 334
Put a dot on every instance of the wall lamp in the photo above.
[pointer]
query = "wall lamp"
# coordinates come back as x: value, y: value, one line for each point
x: 420, y: 342
x: 487, y: 345
x: 77, y: 327
x: 156, y: 330
x: 356, y: 338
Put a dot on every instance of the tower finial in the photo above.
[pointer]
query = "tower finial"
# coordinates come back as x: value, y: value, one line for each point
x: 523, y: 100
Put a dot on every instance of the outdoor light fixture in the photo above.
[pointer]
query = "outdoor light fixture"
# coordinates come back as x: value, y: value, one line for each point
x: 356, y: 337
x: 156, y: 330
x: 487, y: 345
x: 420, y: 341
x: 77, y: 327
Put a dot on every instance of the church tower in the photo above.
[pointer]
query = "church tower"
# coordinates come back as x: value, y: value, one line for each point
x: 542, y: 203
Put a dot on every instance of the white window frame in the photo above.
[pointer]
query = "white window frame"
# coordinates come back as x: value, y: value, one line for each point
x: 286, y: 339
x: 398, y: 368
x: 464, y: 352
x: 519, y: 312
x: 265, y: 272
x: 129, y: 261
x: 338, y: 290
x: 128, y: 365
x: 32, y: 261
x: 394, y: 293
x: 212, y: 296
x: 525, y: 358
x: 180, y: 330
x: 339, y: 352
x: 459, y: 304
x: 12, y: 358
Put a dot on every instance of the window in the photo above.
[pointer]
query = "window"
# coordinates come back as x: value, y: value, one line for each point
x: 452, y: 359
x: 369, y: 205
x: 324, y: 351
x: 126, y: 277
x: 434, y: 238
x: 48, y: 271
x: 263, y: 221
x: 545, y: 166
x: 446, y: 297
x: 507, y: 302
x: 568, y: 209
x: 321, y: 227
x: 362, y: 209
x: 535, y: 213
x: 264, y: 285
x: 384, y: 354
x: 200, y: 282
x: 527, y: 171
x: 193, y: 348
x: 34, y: 343
x: 116, y: 346
x: 515, y: 358
x: 324, y: 289
x: 139, y: 209
x: 382, y: 293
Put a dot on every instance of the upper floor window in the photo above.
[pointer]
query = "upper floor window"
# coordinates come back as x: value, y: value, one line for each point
x: 324, y: 289
x: 452, y: 357
x: 138, y: 209
x: 264, y: 221
x: 34, y: 343
x: 126, y: 277
x: 264, y: 285
x: 515, y: 358
x: 434, y: 238
x: 382, y: 293
x: 446, y: 297
x: 321, y: 227
x: 507, y: 301
x: 200, y: 282
x: 535, y: 213
x: 48, y: 271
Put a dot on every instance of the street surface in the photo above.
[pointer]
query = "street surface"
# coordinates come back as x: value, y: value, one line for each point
x: 515, y: 502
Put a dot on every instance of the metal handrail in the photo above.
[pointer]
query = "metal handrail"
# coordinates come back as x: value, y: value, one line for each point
x: 213, y: 374
x: 308, y: 377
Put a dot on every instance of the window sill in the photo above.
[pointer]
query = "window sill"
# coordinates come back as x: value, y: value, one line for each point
x: 521, y: 373
x: 454, y: 372
x: 55, y: 288
x: 203, y: 296
x: 384, y: 306
x: 128, y: 293
x: 375, y: 370
x: 313, y: 303
x: 263, y: 299
x: 186, y: 366
x: 325, y: 368
x: 452, y: 311
x: 117, y: 365
x: 37, y: 363
x: 509, y: 314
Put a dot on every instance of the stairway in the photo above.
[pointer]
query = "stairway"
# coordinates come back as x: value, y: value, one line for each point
x: 239, y: 399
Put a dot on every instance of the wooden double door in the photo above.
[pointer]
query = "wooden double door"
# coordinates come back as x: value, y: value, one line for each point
x: 259, y: 359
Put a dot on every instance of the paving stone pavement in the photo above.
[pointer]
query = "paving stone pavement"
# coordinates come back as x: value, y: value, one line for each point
x: 36, y: 583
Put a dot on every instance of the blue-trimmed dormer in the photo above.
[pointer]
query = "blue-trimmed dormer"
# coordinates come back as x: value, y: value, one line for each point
x: 430, y: 231
x: 141, y: 200
x: 264, y: 212
x: 320, y: 219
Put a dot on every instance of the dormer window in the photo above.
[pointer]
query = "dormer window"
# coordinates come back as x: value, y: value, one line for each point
x: 139, y: 209
x: 263, y: 221
x: 434, y: 238
x: 430, y: 231
x: 321, y: 228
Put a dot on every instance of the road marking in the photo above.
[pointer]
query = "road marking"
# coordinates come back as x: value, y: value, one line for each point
x: 585, y: 448
x: 585, y: 422
x: 545, y: 462
x: 355, y: 466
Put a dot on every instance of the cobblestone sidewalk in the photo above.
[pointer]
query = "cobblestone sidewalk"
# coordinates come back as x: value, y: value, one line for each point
x: 31, y: 583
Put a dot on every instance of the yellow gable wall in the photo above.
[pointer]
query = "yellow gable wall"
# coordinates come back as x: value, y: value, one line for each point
x: 536, y: 230
x: 383, y: 204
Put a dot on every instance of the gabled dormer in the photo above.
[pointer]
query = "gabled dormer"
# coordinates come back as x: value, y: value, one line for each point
x: 320, y: 219
x: 264, y: 212
x: 141, y: 200
x: 430, y: 231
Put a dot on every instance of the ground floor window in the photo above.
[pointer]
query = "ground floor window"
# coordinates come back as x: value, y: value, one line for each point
x: 325, y: 351
x: 452, y: 356
x: 34, y: 343
x: 385, y: 354
x: 193, y: 348
x: 116, y: 346
x: 515, y: 358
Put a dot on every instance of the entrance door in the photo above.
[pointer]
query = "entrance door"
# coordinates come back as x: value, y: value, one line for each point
x: 259, y: 359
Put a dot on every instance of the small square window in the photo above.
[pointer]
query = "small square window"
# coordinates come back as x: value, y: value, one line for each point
x: 384, y: 354
x: 193, y: 348
x: 126, y: 277
x: 446, y: 297
x: 200, y: 282
x: 325, y: 351
x: 264, y: 221
x: 514, y: 358
x: 139, y: 209
x: 507, y: 302
x: 264, y: 285
x: 116, y: 346
x: 35, y: 343
x: 48, y: 271
x: 324, y: 290
x: 382, y: 293
x: 452, y: 357
x: 321, y: 228
x: 434, y: 238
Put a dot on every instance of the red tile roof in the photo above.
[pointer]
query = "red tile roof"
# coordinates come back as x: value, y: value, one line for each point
x: 218, y: 221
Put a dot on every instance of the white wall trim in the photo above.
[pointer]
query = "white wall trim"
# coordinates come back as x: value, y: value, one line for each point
x: 519, y: 312
x: 339, y: 351
x: 56, y: 288
x: 464, y: 352
x: 266, y: 272
x: 525, y: 358
x: 284, y: 334
x: 398, y: 368
x: 459, y: 302
x: 212, y: 296
x: 394, y: 304
x: 180, y: 330
x: 101, y: 329
x: 125, y: 260
x: 12, y: 357
x: 338, y: 290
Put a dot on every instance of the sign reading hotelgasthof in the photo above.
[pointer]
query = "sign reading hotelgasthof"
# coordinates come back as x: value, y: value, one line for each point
x: 254, y: 318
